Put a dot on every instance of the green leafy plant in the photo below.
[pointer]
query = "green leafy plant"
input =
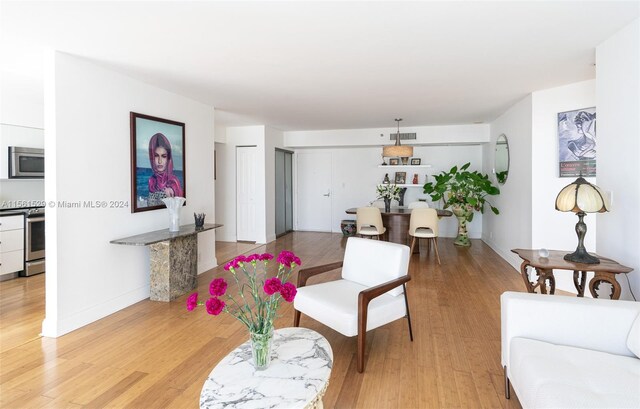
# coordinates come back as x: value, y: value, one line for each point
x: 460, y: 187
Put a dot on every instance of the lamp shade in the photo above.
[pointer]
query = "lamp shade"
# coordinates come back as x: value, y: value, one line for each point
x: 581, y: 196
x: 397, y: 151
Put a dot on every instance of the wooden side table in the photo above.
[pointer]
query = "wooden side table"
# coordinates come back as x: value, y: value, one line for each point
x: 604, y: 272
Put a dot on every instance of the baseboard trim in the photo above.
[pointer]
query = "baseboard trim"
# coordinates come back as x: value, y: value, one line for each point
x: 54, y: 328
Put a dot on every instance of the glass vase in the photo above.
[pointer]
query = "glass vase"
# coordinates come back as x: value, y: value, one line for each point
x: 261, y: 349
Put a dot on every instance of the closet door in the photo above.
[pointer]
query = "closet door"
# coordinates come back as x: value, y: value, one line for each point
x: 246, y: 159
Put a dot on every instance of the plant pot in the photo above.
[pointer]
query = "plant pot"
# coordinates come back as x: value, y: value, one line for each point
x: 464, y: 216
x: 261, y: 349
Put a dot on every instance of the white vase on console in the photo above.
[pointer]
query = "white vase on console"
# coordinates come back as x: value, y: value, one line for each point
x: 174, y: 204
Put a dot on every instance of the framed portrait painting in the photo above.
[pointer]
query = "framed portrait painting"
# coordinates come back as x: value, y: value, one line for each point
x: 577, y: 143
x: 401, y: 178
x: 157, y: 161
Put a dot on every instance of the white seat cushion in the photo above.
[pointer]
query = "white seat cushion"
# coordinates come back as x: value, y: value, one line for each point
x: 424, y: 233
x: 633, y: 339
x: 335, y: 304
x: 546, y: 375
x: 370, y: 231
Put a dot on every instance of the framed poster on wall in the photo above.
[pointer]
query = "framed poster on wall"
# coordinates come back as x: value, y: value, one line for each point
x: 577, y: 143
x: 157, y: 161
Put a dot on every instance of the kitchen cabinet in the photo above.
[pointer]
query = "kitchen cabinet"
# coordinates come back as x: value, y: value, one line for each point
x: 11, y: 244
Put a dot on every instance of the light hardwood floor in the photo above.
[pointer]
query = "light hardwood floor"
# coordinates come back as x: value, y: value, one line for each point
x: 155, y: 355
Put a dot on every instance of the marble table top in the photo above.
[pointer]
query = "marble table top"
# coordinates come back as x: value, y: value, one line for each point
x: 157, y: 236
x: 298, y: 375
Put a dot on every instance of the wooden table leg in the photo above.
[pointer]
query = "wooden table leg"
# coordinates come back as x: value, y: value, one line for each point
x: 579, y: 280
x: 610, y: 278
x: 525, y: 277
x: 544, y: 276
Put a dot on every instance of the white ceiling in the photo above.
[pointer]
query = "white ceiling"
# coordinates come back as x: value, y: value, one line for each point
x: 326, y: 65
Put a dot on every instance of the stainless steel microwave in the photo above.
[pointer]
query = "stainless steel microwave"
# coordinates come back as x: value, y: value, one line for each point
x: 26, y: 162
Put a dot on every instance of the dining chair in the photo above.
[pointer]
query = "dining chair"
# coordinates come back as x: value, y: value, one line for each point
x: 424, y: 225
x: 370, y: 293
x: 369, y: 222
x: 418, y: 204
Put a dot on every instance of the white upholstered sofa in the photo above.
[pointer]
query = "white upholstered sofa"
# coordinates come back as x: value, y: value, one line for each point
x: 569, y: 352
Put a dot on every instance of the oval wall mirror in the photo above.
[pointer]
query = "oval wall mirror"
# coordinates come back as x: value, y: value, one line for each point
x: 502, y: 159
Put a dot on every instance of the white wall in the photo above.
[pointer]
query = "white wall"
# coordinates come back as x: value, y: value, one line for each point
x: 512, y: 227
x: 355, y: 174
x: 87, y: 142
x: 226, y: 181
x: 553, y: 229
x: 450, y: 134
x: 21, y: 100
x: 618, y: 87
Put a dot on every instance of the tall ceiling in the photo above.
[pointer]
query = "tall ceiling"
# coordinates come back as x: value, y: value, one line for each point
x: 326, y: 65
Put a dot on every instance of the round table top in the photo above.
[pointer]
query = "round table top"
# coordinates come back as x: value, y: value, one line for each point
x: 301, y: 362
x: 403, y: 211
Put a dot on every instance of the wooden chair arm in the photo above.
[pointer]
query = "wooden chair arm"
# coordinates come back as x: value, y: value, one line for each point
x: 369, y: 294
x: 304, y: 275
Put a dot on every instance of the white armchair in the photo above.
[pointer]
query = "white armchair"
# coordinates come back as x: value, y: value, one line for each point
x: 371, y: 291
x: 571, y: 352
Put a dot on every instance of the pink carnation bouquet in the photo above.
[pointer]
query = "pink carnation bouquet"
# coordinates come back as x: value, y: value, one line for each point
x: 258, y: 297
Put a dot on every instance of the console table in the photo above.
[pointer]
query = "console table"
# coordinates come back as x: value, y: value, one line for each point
x: 605, y: 272
x: 298, y: 376
x: 173, y: 257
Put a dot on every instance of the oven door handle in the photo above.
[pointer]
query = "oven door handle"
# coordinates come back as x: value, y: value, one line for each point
x: 35, y: 219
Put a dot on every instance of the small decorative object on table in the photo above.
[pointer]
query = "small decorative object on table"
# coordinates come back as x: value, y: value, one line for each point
x: 405, y: 160
x: 264, y: 294
x: 394, y: 161
x: 174, y: 204
x: 415, y: 161
x: 543, y: 253
x: 386, y: 180
x: 388, y: 193
x: 199, y: 219
x: 415, y: 178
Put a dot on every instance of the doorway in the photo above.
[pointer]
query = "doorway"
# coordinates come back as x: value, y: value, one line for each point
x: 284, y: 192
x: 314, y: 191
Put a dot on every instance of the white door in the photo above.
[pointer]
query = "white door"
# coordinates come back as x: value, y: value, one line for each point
x: 314, y: 191
x: 246, y: 158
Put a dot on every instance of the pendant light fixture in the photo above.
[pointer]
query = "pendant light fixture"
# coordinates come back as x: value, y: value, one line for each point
x: 397, y: 150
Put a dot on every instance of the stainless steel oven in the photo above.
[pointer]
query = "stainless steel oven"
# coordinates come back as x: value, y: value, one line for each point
x: 27, y: 163
x: 34, y: 243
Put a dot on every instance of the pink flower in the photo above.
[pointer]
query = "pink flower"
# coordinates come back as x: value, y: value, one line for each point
x: 218, y: 287
x: 287, y: 258
x: 231, y: 265
x: 288, y: 292
x: 252, y: 258
x: 192, y: 302
x: 265, y: 257
x: 240, y: 259
x: 214, y: 306
x: 272, y: 285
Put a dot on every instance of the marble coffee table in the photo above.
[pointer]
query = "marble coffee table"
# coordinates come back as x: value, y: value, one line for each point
x: 297, y: 377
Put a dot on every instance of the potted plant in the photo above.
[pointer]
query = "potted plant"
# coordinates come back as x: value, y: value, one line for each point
x: 388, y: 193
x: 465, y: 192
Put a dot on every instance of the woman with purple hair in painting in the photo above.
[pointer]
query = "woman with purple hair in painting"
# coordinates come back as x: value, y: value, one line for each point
x: 163, y: 183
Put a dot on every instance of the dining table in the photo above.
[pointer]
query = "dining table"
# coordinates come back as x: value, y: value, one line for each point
x: 396, y: 220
